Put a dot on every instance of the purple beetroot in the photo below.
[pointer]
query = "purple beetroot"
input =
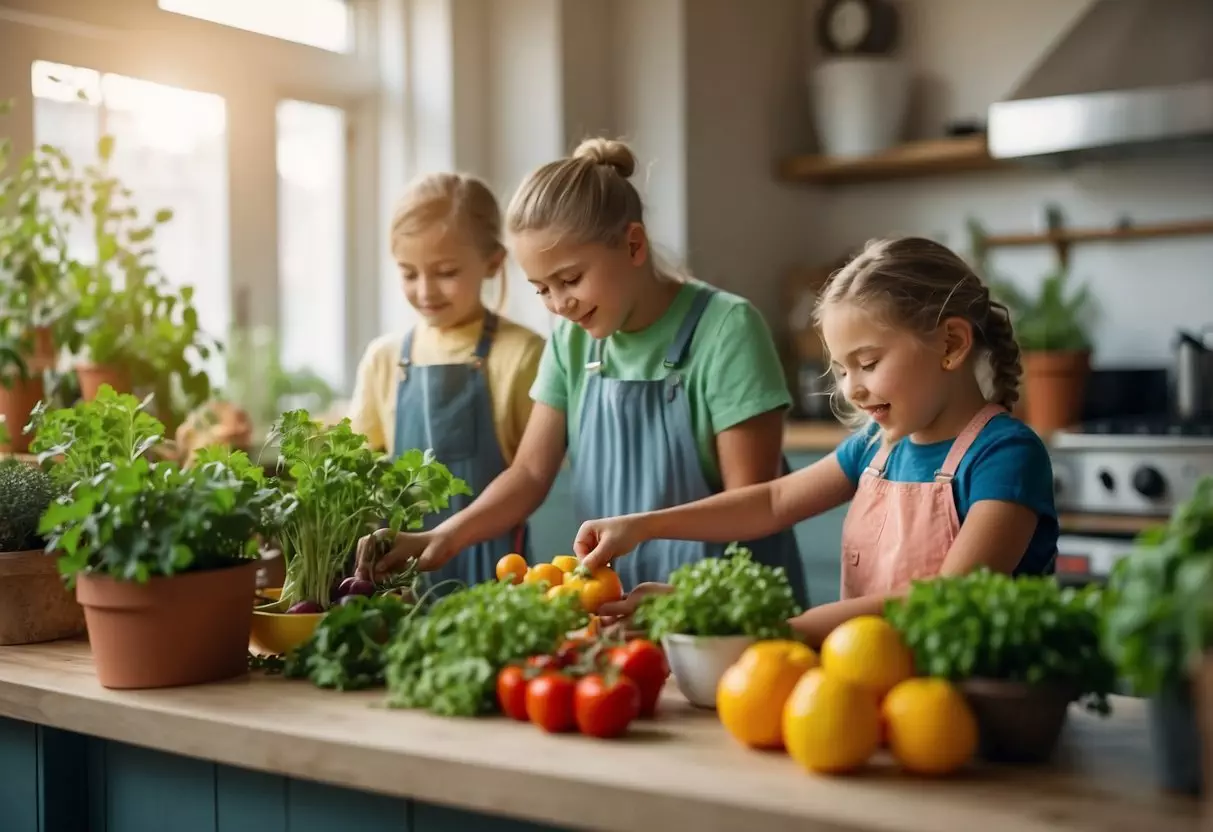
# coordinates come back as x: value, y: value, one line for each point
x: 306, y: 607
x: 355, y: 586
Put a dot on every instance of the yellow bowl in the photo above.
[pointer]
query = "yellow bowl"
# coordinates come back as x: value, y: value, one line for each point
x: 275, y: 633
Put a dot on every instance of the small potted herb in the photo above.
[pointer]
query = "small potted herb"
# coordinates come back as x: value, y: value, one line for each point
x: 337, y: 489
x: 1021, y: 650
x: 1159, y: 626
x: 163, y: 559
x: 717, y: 608
x: 34, y: 605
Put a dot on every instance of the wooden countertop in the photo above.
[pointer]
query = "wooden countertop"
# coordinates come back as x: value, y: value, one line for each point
x: 681, y: 771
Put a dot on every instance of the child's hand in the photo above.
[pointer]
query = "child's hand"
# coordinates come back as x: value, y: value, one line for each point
x: 619, y: 613
x: 598, y: 542
x: 429, y: 549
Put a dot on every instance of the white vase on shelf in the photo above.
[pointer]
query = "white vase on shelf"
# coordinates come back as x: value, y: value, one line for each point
x: 859, y: 104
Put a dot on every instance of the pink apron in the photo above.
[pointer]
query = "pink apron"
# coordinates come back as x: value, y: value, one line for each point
x: 896, y: 532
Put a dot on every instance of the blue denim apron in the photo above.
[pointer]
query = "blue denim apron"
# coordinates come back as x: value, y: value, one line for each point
x: 447, y: 408
x: 636, y: 452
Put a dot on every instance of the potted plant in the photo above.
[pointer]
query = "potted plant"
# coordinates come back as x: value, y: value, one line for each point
x: 1159, y: 625
x: 163, y: 559
x: 34, y: 605
x: 336, y: 490
x: 1021, y: 650
x: 716, y: 609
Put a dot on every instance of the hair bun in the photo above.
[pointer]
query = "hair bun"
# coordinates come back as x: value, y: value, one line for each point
x: 616, y: 154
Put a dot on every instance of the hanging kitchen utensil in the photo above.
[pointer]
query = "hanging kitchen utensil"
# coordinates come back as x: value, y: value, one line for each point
x: 1193, y: 378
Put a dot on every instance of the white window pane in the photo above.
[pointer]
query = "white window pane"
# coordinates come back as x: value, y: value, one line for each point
x: 311, y: 239
x: 170, y: 149
x: 324, y: 24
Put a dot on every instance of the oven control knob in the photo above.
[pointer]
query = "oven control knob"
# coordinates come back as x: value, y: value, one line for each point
x: 1149, y: 482
x: 1106, y: 480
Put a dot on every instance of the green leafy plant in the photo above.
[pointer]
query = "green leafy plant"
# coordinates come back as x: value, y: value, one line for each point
x: 989, y: 625
x: 447, y: 660
x: 75, y: 444
x: 338, y: 489
x: 258, y: 381
x: 728, y: 596
x: 5, y: 436
x: 347, y: 650
x: 136, y: 519
x: 25, y: 494
x: 1159, y: 601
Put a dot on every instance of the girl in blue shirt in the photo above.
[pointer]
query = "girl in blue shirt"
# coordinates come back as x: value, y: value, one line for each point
x: 942, y: 479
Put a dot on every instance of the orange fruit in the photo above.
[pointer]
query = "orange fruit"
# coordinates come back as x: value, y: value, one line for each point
x: 565, y: 563
x: 544, y: 572
x: 931, y: 729
x: 752, y: 692
x: 867, y: 651
x: 512, y: 568
x: 830, y: 726
x: 560, y: 589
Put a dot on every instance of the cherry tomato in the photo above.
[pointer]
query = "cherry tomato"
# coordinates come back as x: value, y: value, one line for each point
x: 511, y: 692
x: 605, y: 709
x: 549, y: 702
x: 644, y: 663
x: 543, y: 662
x: 512, y: 567
x: 571, y: 650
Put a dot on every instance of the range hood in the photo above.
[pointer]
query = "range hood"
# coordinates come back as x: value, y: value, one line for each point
x: 1129, y: 78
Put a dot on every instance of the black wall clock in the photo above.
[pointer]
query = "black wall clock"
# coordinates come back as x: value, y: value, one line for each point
x: 857, y: 27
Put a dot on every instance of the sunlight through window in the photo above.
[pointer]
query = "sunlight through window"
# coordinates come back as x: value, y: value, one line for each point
x: 324, y: 24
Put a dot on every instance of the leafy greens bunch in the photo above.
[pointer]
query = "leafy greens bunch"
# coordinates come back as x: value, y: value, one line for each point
x: 447, y: 661
x: 990, y: 625
x: 339, y: 489
x: 347, y: 650
x: 727, y: 596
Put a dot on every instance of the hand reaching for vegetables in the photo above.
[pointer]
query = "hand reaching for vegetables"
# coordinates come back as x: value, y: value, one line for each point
x: 430, y: 549
x: 598, y: 542
x: 619, y: 613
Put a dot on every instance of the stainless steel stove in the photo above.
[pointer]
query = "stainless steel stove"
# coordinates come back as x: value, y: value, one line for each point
x: 1134, y: 465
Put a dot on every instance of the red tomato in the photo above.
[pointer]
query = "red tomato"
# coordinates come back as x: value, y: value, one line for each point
x: 549, y: 702
x: 543, y: 662
x: 511, y: 692
x: 605, y: 710
x: 644, y: 663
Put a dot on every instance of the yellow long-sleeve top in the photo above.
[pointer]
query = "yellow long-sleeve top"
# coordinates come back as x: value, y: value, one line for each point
x: 510, y: 370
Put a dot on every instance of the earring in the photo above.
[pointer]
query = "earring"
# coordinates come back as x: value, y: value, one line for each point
x: 947, y: 363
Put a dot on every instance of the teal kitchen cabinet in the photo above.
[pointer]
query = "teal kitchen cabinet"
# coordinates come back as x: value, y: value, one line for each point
x: 553, y: 528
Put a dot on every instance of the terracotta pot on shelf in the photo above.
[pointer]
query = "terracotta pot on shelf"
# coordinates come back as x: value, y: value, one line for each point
x: 1017, y: 722
x: 34, y: 604
x: 1054, y: 387
x: 43, y: 357
x: 93, y: 376
x: 16, y: 403
x: 187, y: 629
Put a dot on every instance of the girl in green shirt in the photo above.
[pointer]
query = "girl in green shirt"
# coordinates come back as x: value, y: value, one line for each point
x: 660, y: 390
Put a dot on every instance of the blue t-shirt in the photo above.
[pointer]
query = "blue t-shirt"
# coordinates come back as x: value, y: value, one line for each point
x: 1007, y: 461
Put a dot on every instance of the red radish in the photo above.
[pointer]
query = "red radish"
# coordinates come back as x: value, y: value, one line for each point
x: 306, y: 607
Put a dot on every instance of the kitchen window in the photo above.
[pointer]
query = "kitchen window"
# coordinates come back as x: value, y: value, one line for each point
x: 324, y: 24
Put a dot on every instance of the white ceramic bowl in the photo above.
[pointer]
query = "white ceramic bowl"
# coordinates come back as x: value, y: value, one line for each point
x: 698, y: 662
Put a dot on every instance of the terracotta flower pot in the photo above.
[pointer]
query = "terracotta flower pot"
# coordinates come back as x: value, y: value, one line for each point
x: 1054, y: 387
x: 93, y: 376
x: 16, y: 403
x: 187, y: 629
x: 45, y: 351
x: 1017, y: 722
x: 34, y: 604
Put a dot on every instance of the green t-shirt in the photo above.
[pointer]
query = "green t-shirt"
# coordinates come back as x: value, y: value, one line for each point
x: 732, y: 370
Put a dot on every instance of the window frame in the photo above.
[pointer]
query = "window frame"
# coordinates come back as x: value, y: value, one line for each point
x: 252, y: 73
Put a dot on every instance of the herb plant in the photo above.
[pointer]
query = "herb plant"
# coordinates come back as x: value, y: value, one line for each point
x: 732, y: 595
x: 447, y: 661
x: 990, y: 625
x: 347, y: 650
x: 338, y: 489
x: 1159, y: 616
x: 25, y: 493
x: 74, y: 444
x: 137, y: 519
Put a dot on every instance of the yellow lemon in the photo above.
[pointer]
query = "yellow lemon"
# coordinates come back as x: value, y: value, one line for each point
x: 565, y: 563
x: 930, y: 727
x: 751, y: 694
x: 830, y: 726
x: 867, y: 651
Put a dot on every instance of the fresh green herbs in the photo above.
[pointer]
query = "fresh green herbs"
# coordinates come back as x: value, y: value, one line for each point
x: 1159, y: 616
x: 138, y: 519
x: 989, y: 625
x: 25, y: 493
x: 727, y: 596
x: 337, y: 490
x: 447, y: 660
x: 74, y: 444
x: 346, y: 651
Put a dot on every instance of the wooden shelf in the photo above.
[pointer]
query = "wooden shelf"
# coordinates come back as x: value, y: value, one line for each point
x: 915, y: 159
x: 1190, y: 228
